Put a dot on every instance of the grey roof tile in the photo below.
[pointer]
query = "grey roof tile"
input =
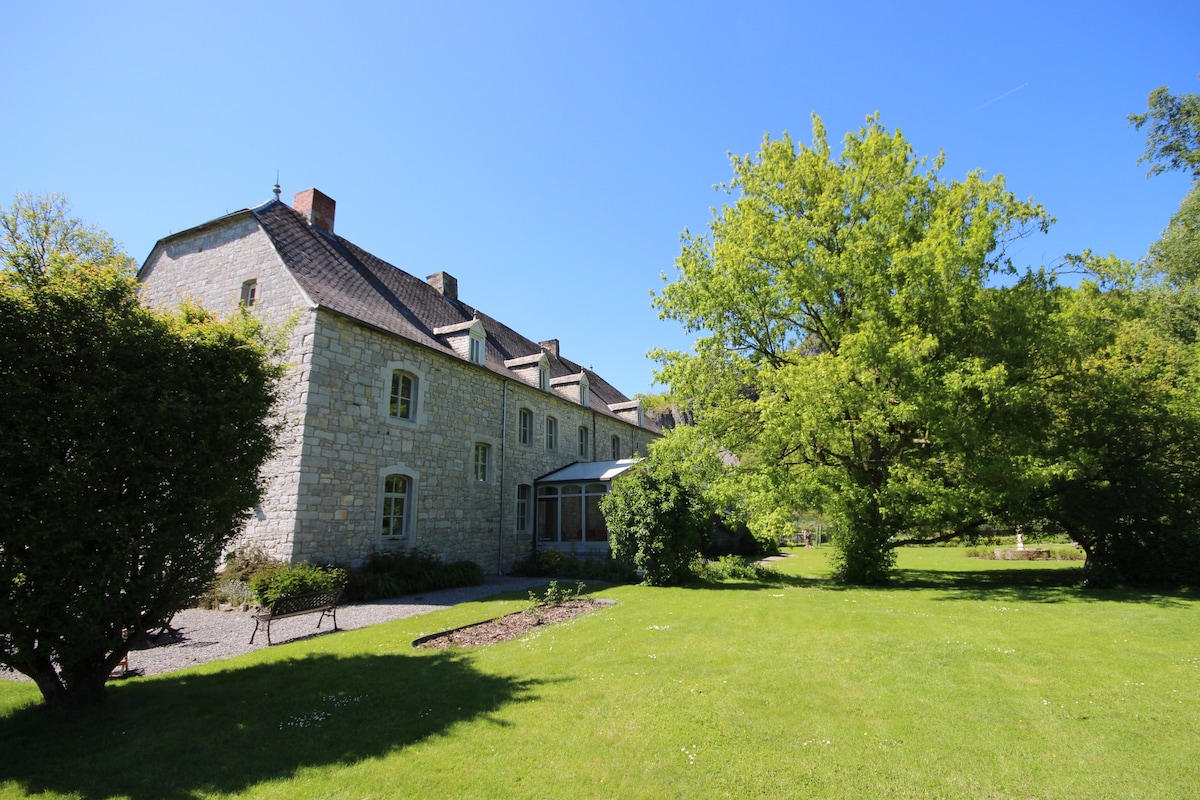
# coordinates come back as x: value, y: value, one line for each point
x: 341, y: 277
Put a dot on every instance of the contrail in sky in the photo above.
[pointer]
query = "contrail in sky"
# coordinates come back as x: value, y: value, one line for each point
x: 1001, y: 97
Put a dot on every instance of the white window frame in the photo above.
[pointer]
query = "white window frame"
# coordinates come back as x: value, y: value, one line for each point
x: 385, y: 509
x: 584, y: 437
x: 554, y: 494
x: 477, y: 344
x: 481, y: 462
x: 616, y: 447
x: 525, y: 426
x: 544, y: 375
x: 416, y: 405
x: 551, y: 433
x: 522, y: 518
x: 249, y: 292
x: 396, y: 394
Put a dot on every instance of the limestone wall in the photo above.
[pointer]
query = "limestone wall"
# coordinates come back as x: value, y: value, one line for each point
x: 352, y: 444
x: 325, y: 485
x: 210, y: 267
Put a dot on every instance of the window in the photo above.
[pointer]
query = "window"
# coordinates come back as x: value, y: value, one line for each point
x: 551, y: 433
x: 402, y: 402
x: 397, y: 492
x: 616, y: 447
x: 584, y: 393
x: 544, y: 376
x: 524, y: 495
x: 547, y: 513
x: 525, y: 426
x: 571, y: 513
x: 477, y: 347
x: 483, y: 457
x: 249, y: 293
x: 583, y: 442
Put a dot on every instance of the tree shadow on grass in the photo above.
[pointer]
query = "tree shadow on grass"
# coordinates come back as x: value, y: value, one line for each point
x: 1018, y: 584
x: 187, y: 734
x: 1026, y: 584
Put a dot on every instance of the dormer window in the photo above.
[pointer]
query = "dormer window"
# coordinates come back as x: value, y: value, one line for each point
x: 478, y: 347
x: 572, y: 387
x: 468, y: 339
x: 533, y: 370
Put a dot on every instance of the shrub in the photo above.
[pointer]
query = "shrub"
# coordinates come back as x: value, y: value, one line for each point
x: 232, y: 584
x: 408, y: 572
x: 557, y: 564
x: 658, y: 520
x: 736, y: 568
x: 271, y: 584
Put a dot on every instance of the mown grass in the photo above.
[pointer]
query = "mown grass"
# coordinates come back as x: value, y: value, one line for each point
x: 965, y: 679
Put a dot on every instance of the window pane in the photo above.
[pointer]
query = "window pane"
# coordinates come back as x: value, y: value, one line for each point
x: 395, y: 506
x: 597, y: 531
x: 523, y: 496
x: 401, y: 405
x: 547, y: 519
x: 572, y: 519
x: 525, y: 426
x: 481, y: 462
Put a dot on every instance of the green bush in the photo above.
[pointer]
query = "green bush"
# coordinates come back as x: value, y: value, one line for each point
x: 736, y: 568
x: 232, y: 584
x: 557, y: 564
x: 658, y: 520
x: 408, y: 572
x: 286, y: 581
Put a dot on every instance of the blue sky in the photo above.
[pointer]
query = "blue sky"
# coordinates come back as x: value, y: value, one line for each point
x: 548, y: 155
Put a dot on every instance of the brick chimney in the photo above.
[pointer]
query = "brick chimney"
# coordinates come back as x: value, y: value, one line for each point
x: 445, y: 283
x: 317, y: 207
x: 550, y: 346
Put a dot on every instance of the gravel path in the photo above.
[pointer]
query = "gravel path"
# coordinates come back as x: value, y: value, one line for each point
x: 205, y: 636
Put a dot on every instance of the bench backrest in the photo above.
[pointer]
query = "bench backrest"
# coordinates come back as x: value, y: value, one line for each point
x: 303, y: 602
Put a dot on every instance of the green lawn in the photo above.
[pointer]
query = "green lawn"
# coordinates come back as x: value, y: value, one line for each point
x: 966, y: 679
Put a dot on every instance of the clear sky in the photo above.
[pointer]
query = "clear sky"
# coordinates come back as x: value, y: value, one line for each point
x: 548, y: 154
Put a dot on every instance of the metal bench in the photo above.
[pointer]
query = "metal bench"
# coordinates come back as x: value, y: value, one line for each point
x: 324, y: 603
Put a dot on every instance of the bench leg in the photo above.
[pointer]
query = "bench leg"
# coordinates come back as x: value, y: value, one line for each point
x: 329, y: 612
x: 255, y: 632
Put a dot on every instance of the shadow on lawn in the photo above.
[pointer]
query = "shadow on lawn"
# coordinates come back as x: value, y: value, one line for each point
x: 1019, y: 584
x: 189, y: 734
x: 1025, y: 584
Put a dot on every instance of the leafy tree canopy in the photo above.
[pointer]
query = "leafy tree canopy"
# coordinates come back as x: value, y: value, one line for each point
x: 130, y: 449
x: 855, y: 351
x: 1173, y: 141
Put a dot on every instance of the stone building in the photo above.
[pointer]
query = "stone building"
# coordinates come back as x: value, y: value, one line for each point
x: 411, y: 419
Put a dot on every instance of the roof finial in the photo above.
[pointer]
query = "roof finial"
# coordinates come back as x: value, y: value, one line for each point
x: 276, y: 189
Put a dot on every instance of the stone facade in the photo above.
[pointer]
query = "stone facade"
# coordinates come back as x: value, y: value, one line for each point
x: 340, y: 439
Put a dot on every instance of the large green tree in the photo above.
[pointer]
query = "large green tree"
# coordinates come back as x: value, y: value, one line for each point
x: 1173, y: 139
x: 130, y: 448
x: 1119, y: 447
x: 855, y: 350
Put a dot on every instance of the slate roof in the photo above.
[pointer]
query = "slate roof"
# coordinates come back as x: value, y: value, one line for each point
x: 343, y: 278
